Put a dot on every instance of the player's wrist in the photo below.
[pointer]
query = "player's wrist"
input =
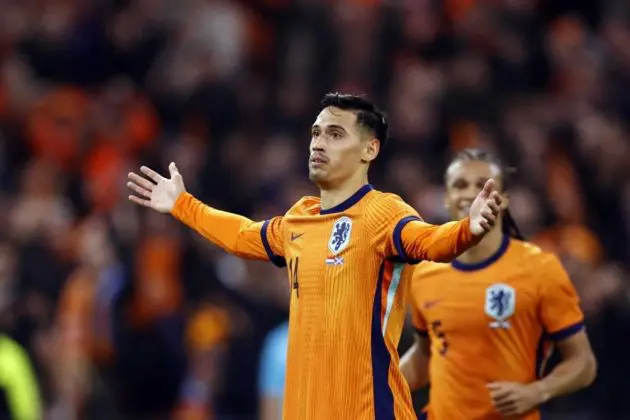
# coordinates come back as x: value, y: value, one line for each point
x: 541, y: 391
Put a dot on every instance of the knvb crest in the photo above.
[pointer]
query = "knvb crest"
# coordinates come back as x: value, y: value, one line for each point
x: 500, y: 304
x: 340, y: 235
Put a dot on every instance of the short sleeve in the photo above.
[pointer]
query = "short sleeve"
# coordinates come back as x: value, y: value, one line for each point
x: 272, y: 370
x: 272, y: 235
x: 389, y: 215
x: 560, y: 310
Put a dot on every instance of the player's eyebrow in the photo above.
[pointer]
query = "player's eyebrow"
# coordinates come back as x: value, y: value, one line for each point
x: 329, y: 127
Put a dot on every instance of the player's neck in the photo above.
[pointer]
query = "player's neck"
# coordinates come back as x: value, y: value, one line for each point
x: 332, y: 196
x: 485, y: 249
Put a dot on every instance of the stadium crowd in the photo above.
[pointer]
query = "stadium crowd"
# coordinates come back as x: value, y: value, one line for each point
x: 126, y: 314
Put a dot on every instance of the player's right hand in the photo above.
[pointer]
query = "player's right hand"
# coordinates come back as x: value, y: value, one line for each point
x: 154, y: 191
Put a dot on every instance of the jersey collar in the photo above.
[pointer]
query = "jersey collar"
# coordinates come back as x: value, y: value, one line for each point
x: 485, y: 263
x: 354, y: 199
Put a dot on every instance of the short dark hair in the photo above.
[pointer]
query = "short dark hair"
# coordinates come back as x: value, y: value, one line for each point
x: 369, y: 116
x: 480, y: 155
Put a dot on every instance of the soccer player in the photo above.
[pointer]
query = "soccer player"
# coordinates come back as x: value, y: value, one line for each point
x: 345, y: 252
x: 487, y: 320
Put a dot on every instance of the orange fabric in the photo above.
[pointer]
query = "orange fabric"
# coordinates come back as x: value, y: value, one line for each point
x: 76, y: 312
x: 348, y: 302
x: 141, y: 124
x: 102, y: 169
x: 463, y: 135
x: 56, y: 125
x: 208, y: 327
x: 158, y: 292
x: 574, y: 240
x: 469, y: 347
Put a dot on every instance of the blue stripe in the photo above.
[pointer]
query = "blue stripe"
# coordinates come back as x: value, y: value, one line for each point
x: 567, y: 332
x: 381, y: 360
x: 354, y: 199
x: 423, y: 415
x: 276, y: 259
x: 485, y: 263
x: 400, y: 249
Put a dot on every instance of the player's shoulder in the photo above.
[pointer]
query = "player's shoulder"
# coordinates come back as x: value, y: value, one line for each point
x: 532, y: 253
x: 386, y: 204
x: 305, y: 206
x: 535, y: 259
x: 426, y: 271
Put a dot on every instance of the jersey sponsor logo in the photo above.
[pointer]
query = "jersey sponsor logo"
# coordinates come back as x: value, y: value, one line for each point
x: 500, y: 304
x: 295, y: 236
x: 340, y: 235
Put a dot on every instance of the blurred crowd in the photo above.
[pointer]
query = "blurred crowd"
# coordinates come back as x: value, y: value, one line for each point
x: 126, y: 314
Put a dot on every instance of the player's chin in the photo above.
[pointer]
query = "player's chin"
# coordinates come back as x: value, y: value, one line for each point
x: 317, y: 174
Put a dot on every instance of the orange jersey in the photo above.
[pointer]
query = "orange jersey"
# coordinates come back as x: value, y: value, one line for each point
x: 492, y: 321
x: 347, y: 305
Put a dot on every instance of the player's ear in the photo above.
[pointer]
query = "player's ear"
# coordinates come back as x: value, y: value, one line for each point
x: 370, y: 150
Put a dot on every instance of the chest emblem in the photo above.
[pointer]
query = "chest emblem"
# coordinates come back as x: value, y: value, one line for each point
x: 340, y: 235
x: 500, y: 304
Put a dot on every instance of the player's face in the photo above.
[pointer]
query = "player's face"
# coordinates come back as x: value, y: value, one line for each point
x: 464, y: 180
x: 339, y: 147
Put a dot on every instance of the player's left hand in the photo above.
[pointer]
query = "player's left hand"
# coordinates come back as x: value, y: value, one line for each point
x: 484, y: 211
x: 514, y: 399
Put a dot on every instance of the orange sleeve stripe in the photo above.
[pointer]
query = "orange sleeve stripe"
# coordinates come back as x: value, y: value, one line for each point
x: 423, y: 241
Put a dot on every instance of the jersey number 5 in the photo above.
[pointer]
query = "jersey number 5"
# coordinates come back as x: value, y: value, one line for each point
x: 438, y: 332
x: 293, y: 275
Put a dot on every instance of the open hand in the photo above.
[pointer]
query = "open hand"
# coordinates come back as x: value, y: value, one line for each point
x: 484, y: 211
x: 154, y: 191
x: 514, y: 399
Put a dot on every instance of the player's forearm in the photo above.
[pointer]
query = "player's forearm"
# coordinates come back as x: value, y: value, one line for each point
x: 414, y: 368
x: 569, y: 376
x: 441, y: 243
x: 219, y: 227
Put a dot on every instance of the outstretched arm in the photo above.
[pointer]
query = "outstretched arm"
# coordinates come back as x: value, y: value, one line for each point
x: 412, y: 240
x: 236, y: 234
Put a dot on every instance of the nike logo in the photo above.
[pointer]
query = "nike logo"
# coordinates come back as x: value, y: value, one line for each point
x: 295, y: 236
x: 428, y: 304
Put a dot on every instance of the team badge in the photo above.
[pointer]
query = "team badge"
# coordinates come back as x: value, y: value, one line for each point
x: 500, y: 304
x: 340, y: 235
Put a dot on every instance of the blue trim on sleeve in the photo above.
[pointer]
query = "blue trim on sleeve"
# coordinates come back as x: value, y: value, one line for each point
x: 275, y: 259
x: 487, y: 262
x: 354, y: 199
x: 400, y: 249
x: 567, y: 332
